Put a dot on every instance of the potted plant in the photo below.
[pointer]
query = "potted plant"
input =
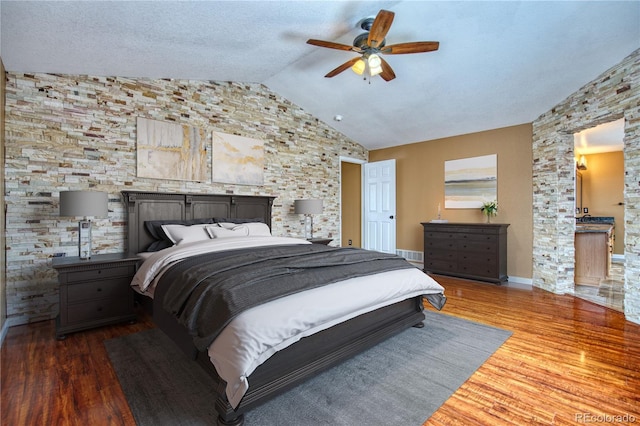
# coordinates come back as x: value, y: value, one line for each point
x: 489, y: 208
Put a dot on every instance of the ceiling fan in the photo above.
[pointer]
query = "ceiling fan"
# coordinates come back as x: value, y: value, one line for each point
x: 371, y: 44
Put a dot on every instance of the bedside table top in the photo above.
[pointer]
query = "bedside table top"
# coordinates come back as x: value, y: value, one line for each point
x: 96, y: 259
x: 324, y: 241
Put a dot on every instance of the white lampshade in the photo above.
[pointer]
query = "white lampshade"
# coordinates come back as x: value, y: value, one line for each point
x: 84, y: 203
x: 307, y: 206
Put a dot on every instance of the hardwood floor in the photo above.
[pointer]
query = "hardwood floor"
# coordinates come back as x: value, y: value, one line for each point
x: 568, y: 362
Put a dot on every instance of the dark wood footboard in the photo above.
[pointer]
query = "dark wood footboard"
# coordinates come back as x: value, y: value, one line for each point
x: 302, y: 360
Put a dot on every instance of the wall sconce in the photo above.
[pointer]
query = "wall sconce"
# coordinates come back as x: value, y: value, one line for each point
x: 84, y: 204
x: 308, y: 208
x: 581, y: 164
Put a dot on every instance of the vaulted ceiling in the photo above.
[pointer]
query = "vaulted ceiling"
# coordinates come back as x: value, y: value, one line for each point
x: 500, y: 63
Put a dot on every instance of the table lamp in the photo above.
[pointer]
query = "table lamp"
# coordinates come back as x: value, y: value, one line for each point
x: 84, y: 204
x: 308, y: 208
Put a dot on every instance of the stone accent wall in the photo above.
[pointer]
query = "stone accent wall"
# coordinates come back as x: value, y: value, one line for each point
x: 612, y: 95
x: 79, y: 132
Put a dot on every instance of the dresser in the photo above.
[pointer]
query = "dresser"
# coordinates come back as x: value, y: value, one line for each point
x: 476, y: 251
x: 94, y: 292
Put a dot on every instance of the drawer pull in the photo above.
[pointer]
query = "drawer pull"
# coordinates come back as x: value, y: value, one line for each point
x: 99, y: 309
x: 98, y: 289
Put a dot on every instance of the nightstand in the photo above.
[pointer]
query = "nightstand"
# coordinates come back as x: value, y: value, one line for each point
x: 324, y: 241
x: 94, y: 292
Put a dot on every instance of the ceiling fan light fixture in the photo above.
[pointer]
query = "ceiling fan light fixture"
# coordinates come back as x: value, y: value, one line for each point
x: 359, y: 67
x: 375, y: 64
x: 374, y: 61
x: 375, y: 71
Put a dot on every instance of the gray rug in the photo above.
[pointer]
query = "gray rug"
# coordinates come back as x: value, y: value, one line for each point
x: 403, y: 380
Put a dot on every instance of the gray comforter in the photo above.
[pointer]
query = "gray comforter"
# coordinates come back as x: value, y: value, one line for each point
x: 207, y: 291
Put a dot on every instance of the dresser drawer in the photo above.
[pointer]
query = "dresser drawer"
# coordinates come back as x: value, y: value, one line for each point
x: 103, y: 289
x: 437, y: 265
x: 476, y: 246
x: 100, y: 273
x: 440, y: 244
x: 488, y: 269
x: 438, y: 254
x: 99, y: 309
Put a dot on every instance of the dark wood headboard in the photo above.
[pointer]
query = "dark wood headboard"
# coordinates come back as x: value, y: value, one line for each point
x: 143, y: 206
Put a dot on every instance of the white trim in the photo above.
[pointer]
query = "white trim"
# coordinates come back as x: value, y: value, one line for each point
x: 617, y: 257
x: 352, y: 160
x: 521, y: 280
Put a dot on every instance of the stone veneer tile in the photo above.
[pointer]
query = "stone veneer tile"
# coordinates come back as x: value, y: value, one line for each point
x: 614, y: 94
x: 79, y: 132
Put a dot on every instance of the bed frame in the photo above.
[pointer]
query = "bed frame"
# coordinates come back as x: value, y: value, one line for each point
x: 291, y: 366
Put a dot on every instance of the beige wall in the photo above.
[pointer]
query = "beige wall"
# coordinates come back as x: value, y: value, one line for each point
x: 351, y: 204
x: 420, y: 187
x: 603, y: 190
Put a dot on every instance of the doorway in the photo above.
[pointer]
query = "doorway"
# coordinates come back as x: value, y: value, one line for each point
x: 600, y: 200
x: 350, y: 203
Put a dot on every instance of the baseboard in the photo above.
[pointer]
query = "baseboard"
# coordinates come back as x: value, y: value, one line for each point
x: 8, y: 322
x: 521, y: 280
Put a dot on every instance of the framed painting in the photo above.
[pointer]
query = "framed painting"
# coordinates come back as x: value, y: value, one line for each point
x: 171, y: 151
x: 470, y: 182
x: 237, y: 159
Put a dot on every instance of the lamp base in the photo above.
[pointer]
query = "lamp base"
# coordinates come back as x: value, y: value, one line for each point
x: 84, y: 239
x: 308, y: 226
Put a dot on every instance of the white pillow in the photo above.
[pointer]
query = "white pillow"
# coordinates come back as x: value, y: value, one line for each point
x: 256, y: 229
x: 227, y: 225
x: 219, y: 232
x: 180, y: 234
x: 253, y: 229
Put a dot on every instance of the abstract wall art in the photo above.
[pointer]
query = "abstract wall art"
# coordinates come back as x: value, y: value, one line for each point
x: 469, y: 182
x: 237, y: 159
x: 171, y: 151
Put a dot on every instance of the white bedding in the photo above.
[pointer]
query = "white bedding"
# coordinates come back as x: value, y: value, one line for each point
x: 258, y: 333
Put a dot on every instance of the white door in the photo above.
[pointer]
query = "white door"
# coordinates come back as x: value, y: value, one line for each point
x: 379, y: 205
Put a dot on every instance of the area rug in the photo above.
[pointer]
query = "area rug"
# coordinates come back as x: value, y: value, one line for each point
x: 402, y: 380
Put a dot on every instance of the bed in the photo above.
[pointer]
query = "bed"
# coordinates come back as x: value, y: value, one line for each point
x: 303, y: 335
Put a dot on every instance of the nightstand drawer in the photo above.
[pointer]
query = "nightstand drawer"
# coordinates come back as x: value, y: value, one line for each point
x: 98, y: 310
x: 103, y: 289
x: 100, y: 273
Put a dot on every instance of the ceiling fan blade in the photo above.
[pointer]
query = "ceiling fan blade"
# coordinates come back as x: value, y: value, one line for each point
x: 332, y: 45
x: 380, y: 28
x: 387, y: 73
x: 342, y: 67
x: 411, y: 47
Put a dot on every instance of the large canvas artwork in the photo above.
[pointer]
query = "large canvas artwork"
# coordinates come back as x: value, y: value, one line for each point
x: 171, y: 151
x: 237, y: 159
x: 469, y: 182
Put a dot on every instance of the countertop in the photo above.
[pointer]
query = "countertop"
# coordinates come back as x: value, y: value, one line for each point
x: 593, y: 227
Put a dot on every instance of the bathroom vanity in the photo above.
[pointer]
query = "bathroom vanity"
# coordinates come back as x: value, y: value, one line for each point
x: 593, y: 249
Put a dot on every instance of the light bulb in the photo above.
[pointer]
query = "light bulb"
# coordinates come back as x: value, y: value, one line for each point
x: 358, y: 67
x: 374, y: 61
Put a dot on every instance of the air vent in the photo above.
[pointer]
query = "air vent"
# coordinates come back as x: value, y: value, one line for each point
x: 411, y: 255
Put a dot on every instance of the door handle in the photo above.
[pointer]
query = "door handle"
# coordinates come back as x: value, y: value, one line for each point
x: 391, y: 217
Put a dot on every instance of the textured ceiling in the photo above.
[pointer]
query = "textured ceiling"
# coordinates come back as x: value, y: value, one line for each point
x: 499, y: 63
